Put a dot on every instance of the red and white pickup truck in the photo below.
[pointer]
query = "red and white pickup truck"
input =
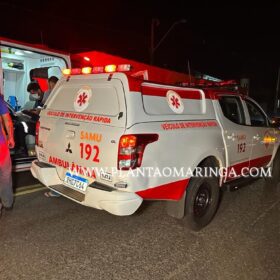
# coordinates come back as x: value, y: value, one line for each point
x: 108, y: 140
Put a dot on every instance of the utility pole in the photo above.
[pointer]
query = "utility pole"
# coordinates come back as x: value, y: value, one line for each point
x: 155, y: 22
x: 276, y: 101
x: 153, y: 47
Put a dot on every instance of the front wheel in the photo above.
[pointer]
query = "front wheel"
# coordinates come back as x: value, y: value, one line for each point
x: 202, y: 199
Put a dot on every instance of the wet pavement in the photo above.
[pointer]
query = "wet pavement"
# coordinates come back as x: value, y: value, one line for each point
x: 55, y: 238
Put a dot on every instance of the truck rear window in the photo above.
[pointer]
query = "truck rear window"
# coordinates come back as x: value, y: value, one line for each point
x: 89, y: 97
x: 165, y: 101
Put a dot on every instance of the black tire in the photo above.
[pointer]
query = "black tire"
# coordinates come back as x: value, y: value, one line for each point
x: 202, y: 199
x: 275, y: 173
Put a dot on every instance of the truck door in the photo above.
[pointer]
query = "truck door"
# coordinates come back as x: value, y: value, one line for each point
x: 262, y: 135
x: 236, y: 137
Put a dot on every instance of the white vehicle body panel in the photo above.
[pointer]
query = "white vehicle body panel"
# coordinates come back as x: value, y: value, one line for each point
x: 185, y: 139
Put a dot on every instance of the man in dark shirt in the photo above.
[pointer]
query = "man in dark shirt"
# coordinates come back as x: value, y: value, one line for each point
x: 36, y: 94
x: 6, y: 142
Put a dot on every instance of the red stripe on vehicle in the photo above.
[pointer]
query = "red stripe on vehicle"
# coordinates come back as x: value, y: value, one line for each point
x: 238, y: 167
x: 259, y: 162
x: 134, y: 84
x: 172, y: 191
x: 184, y: 93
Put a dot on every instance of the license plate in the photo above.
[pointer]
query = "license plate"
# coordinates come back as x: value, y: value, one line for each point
x: 75, y: 181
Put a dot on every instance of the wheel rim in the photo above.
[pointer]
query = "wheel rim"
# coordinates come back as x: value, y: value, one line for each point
x: 202, y: 200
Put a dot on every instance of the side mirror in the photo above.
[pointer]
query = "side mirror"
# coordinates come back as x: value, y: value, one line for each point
x: 275, y: 121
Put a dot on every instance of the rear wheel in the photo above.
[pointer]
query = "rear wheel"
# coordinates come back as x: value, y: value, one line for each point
x: 202, y: 199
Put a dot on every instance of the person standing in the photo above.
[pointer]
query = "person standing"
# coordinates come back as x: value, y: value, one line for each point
x: 6, y: 142
x: 51, y: 84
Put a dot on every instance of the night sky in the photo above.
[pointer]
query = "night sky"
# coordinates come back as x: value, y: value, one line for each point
x: 229, y: 42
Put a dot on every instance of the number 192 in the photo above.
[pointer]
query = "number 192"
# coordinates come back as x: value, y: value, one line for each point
x: 88, y: 151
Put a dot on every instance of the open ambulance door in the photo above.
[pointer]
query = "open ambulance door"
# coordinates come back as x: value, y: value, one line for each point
x: 21, y: 63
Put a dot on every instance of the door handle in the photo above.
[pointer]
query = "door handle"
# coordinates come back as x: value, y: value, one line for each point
x: 70, y: 134
x: 231, y: 137
x: 256, y: 137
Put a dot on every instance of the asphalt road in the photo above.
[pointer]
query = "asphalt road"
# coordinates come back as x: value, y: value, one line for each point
x: 21, y: 179
x: 55, y: 238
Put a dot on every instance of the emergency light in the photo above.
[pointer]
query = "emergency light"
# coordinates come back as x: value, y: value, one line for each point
x: 76, y: 71
x: 111, y: 68
x: 86, y: 70
x: 66, y: 71
x: 97, y: 69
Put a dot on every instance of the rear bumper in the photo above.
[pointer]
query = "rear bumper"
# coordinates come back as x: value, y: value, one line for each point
x: 113, y: 201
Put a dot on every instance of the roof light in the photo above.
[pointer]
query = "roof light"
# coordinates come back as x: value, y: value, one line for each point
x: 86, y: 70
x: 124, y: 67
x: 98, y: 69
x: 86, y: 58
x: 66, y: 71
x: 110, y: 68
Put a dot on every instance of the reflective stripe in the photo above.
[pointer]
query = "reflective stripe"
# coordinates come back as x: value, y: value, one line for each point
x: 25, y: 127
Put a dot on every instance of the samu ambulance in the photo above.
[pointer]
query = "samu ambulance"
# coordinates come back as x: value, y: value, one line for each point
x: 112, y: 135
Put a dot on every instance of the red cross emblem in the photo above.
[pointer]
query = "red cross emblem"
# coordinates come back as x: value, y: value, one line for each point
x: 82, y: 99
x: 175, y: 102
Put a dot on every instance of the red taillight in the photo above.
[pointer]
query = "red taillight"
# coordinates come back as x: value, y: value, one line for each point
x: 131, y: 149
x: 37, y: 133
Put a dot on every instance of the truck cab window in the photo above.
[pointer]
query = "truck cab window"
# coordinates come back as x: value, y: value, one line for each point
x: 232, y: 109
x: 257, y: 117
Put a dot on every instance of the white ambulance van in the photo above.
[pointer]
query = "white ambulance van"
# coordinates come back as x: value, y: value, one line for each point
x: 21, y: 63
x: 109, y: 138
